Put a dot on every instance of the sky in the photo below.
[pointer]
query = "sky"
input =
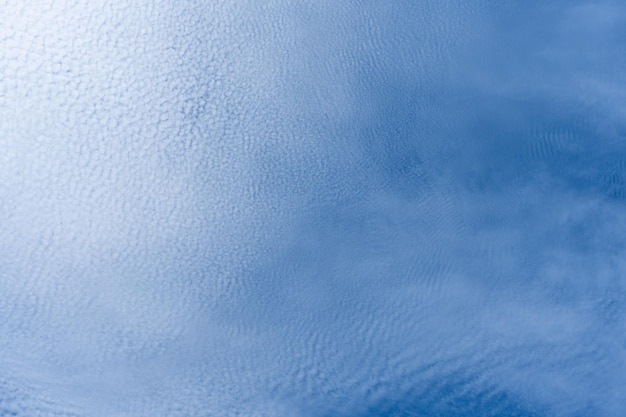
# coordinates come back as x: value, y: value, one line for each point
x: 313, y: 208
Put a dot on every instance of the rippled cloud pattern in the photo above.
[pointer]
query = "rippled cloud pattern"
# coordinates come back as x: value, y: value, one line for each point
x: 309, y: 208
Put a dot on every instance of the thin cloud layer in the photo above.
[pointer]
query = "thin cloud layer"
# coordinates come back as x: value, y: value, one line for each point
x: 312, y: 209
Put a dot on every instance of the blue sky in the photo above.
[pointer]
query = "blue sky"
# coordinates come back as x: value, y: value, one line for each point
x: 313, y: 209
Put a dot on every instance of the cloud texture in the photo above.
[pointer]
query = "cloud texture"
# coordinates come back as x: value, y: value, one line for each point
x: 313, y: 208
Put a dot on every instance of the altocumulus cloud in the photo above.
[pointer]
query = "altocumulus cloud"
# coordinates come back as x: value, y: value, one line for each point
x: 312, y: 208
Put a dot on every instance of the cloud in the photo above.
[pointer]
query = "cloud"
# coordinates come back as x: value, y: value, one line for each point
x: 312, y: 208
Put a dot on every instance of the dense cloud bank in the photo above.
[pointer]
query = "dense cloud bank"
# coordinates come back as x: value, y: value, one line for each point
x: 313, y: 208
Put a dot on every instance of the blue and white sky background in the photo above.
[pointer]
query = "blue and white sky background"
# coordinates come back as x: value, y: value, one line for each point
x: 313, y: 208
